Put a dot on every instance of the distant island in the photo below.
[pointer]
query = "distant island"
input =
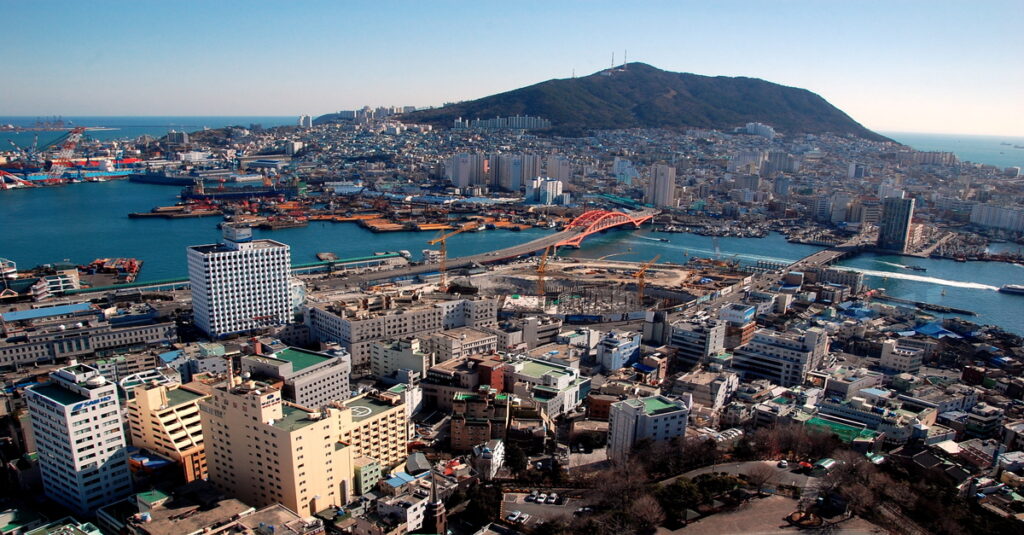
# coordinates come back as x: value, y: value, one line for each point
x: 637, y: 95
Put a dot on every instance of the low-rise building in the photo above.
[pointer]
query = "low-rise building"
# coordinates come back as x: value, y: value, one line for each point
x: 310, y: 379
x: 657, y: 418
x: 459, y: 342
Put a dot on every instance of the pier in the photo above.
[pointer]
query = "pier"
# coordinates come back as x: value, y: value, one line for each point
x: 924, y: 306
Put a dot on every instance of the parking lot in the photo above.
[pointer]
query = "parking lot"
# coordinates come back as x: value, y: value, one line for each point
x: 516, y: 501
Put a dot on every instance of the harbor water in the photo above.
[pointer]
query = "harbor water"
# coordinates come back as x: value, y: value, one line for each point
x: 83, y: 221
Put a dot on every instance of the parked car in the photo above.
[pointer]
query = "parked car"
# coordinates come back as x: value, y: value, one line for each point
x: 513, y: 516
x: 552, y: 498
x: 783, y: 464
x: 541, y: 498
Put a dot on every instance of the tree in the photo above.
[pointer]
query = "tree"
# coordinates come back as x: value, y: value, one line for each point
x: 647, y: 513
x: 676, y: 497
x: 761, y: 475
x: 515, y: 458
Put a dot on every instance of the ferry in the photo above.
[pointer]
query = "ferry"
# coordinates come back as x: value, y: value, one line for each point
x: 1013, y: 289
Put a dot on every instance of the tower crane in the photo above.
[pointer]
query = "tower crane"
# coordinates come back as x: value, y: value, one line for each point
x: 443, y: 240
x: 641, y: 279
x: 61, y: 160
x: 542, y: 267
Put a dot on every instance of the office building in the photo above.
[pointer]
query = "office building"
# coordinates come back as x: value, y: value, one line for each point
x: 617, y: 349
x: 656, y: 418
x: 79, y: 436
x: 479, y: 417
x: 661, y: 191
x: 239, y: 285
x: 311, y: 379
x: 894, y: 229
x: 164, y: 419
x: 265, y: 451
x: 783, y: 358
x: 459, y: 342
x: 739, y: 324
x: 697, y: 341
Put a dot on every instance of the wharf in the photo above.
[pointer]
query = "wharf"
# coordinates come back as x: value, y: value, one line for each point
x: 924, y: 306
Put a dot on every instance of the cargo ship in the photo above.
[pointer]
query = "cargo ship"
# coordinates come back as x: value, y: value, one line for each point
x: 235, y: 192
x: 1012, y: 289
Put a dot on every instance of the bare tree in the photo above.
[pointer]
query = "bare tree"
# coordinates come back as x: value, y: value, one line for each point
x: 647, y: 512
x: 761, y: 475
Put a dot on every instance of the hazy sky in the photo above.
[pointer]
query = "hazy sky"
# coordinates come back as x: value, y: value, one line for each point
x: 914, y: 66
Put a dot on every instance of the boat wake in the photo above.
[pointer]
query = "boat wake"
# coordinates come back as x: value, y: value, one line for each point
x: 919, y: 278
x: 725, y: 255
x: 901, y: 266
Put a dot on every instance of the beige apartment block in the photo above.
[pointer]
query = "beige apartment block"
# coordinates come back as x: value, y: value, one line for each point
x: 263, y: 451
x: 164, y: 419
x: 375, y: 425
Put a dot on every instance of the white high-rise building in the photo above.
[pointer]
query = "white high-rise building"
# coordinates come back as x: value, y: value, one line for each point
x: 657, y: 418
x: 239, y: 285
x: 79, y: 437
x: 661, y: 191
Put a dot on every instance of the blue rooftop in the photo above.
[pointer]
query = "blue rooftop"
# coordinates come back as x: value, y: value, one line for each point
x: 169, y: 356
x: 61, y: 310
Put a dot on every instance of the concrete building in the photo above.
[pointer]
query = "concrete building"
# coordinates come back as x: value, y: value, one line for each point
x: 543, y: 190
x: 376, y: 426
x: 459, y: 342
x: 901, y: 359
x: 661, y: 191
x: 617, y: 349
x: 387, y: 357
x: 739, y: 324
x: 657, y: 418
x: 783, y: 358
x: 478, y: 417
x: 697, y: 341
x: 239, y: 285
x: 310, y: 379
x: 555, y: 388
x: 264, y: 451
x: 711, y: 389
x: 73, y: 331
x: 79, y: 437
x: 488, y: 458
x: 165, y: 420
x: 894, y: 229
x: 356, y: 329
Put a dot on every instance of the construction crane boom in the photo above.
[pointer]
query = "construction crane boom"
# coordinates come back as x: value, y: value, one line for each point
x: 61, y: 160
x: 542, y: 267
x: 641, y: 279
x: 443, y: 240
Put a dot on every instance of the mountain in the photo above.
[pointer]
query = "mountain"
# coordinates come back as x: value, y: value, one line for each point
x: 639, y: 95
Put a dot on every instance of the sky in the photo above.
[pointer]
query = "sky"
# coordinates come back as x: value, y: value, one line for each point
x: 894, y: 66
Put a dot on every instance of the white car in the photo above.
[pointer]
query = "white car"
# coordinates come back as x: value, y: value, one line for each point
x: 523, y: 518
x: 513, y: 516
x: 783, y: 464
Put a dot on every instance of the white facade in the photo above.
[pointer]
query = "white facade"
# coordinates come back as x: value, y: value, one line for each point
x: 783, y: 358
x: 79, y: 435
x: 657, y: 418
x: 901, y: 359
x: 241, y: 284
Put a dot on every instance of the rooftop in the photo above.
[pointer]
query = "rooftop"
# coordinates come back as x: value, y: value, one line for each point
x: 657, y: 405
x: 58, y: 394
x: 294, y: 418
x: 535, y: 368
x: 846, y: 433
x: 367, y: 407
x: 300, y: 358
x: 60, y: 310
x: 181, y: 396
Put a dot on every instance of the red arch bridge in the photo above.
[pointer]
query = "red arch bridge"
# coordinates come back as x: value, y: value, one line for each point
x: 596, y: 221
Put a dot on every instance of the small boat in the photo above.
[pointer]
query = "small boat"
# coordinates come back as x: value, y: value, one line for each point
x: 663, y: 239
x: 943, y: 292
x: 917, y: 268
x: 1012, y: 289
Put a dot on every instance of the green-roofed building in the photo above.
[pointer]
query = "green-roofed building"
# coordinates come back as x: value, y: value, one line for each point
x: 657, y: 418
x: 311, y: 379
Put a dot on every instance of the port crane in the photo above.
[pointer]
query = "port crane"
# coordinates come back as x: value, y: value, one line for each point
x: 443, y: 240
x: 542, y: 268
x: 641, y: 279
x: 63, y: 156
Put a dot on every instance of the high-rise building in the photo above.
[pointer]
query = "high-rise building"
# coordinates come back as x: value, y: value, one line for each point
x: 264, y: 451
x: 79, y: 437
x: 661, y: 191
x: 783, y: 358
x: 164, y: 419
x: 894, y: 229
x: 657, y: 418
x: 559, y: 167
x: 239, y: 285
x: 739, y: 323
